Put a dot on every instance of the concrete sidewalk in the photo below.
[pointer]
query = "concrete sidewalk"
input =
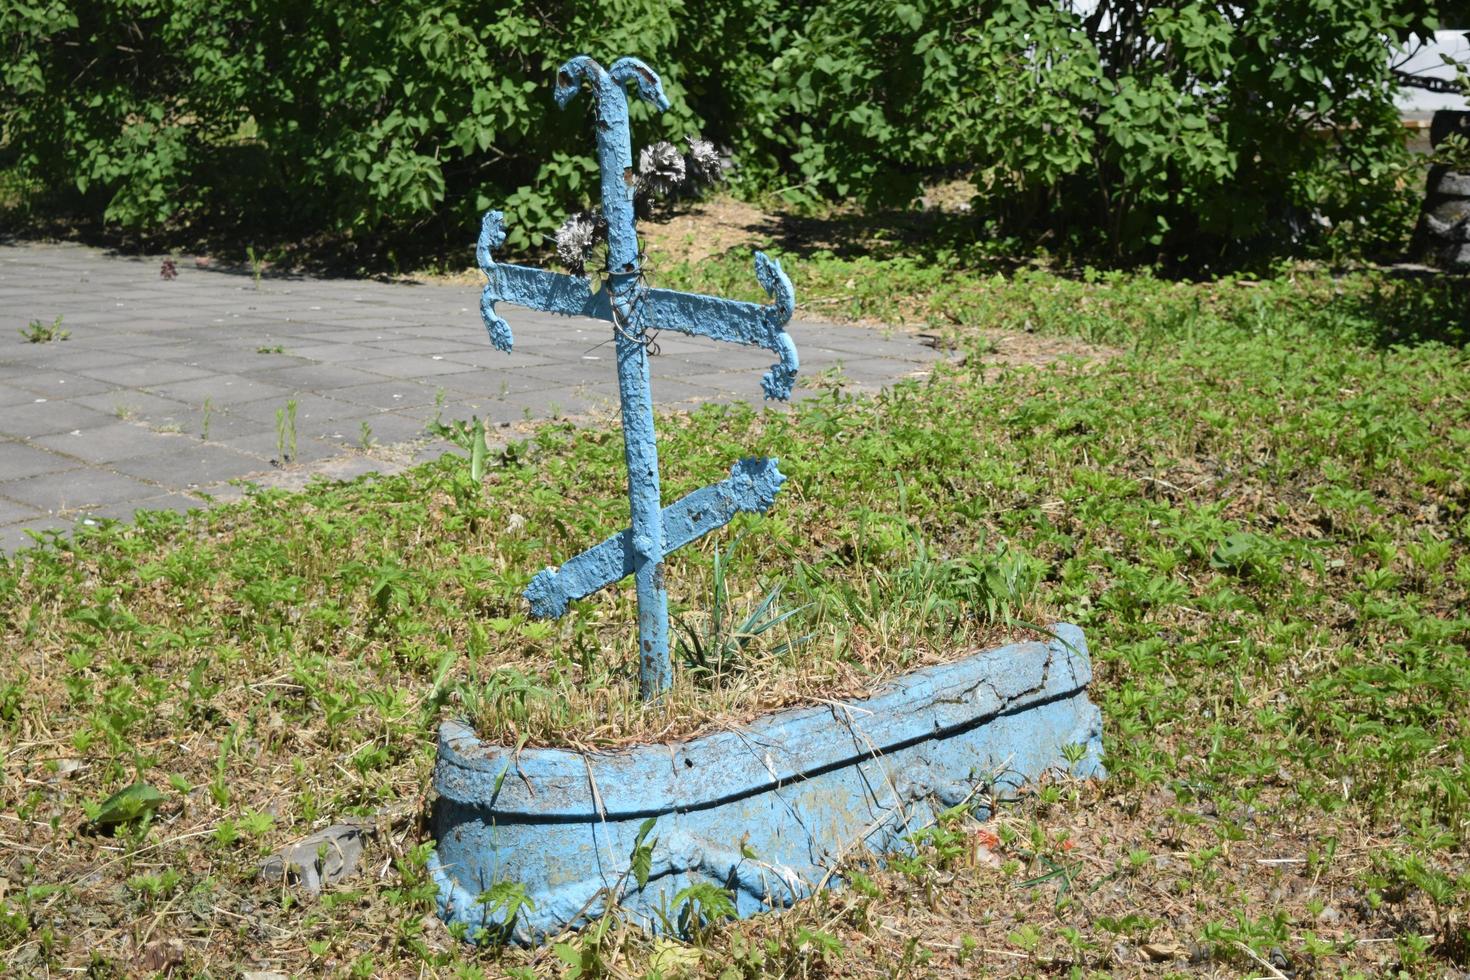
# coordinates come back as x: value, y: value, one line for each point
x: 167, y: 390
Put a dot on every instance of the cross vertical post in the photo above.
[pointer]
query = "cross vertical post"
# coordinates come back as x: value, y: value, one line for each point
x: 640, y: 446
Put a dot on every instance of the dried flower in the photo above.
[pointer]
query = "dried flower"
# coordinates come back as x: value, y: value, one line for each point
x: 705, y: 164
x: 575, y: 239
x: 661, y: 169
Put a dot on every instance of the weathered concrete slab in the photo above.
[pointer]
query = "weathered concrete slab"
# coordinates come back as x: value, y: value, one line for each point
x: 768, y: 811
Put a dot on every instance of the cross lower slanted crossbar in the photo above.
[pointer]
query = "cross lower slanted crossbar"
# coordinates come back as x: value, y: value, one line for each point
x: 751, y: 488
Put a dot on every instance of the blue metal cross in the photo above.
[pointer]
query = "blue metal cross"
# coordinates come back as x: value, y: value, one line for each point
x: 634, y: 309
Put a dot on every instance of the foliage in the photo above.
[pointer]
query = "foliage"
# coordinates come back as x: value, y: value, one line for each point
x: 136, y: 802
x: 333, y: 117
x: 1159, y: 129
x: 718, y: 647
x: 41, y: 332
x: 1189, y: 132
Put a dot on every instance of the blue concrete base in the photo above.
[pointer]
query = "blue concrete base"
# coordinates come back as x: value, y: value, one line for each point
x: 766, y: 811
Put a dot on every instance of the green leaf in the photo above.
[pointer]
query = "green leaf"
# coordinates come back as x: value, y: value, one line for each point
x: 127, y: 806
x: 642, y: 856
x: 478, y: 452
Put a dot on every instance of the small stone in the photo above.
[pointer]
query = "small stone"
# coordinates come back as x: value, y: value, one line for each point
x: 984, y: 857
x: 1161, y: 952
x: 324, y: 858
x: 163, y: 957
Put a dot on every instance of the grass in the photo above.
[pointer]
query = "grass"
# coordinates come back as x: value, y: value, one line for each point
x: 41, y: 332
x: 1257, y: 509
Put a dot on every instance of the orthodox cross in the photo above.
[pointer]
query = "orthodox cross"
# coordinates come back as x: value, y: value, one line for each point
x: 634, y: 309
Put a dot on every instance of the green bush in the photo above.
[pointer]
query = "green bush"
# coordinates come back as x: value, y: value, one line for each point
x: 1146, y: 130
x: 342, y: 117
x: 1151, y: 128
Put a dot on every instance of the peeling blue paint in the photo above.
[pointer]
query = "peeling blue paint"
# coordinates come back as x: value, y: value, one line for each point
x: 751, y: 488
x: 768, y: 811
x: 728, y: 320
x: 634, y: 310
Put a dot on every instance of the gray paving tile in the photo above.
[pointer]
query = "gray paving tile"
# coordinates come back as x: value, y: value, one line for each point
x: 411, y: 366
x: 125, y: 510
x: 598, y: 372
x: 331, y: 353
x: 131, y: 404
x: 11, y: 394
x: 384, y: 429
x: 460, y: 330
x: 192, y: 463
x: 13, y: 512
x: 79, y: 321
x: 17, y: 537
x: 58, y: 493
x: 389, y: 396
x: 258, y: 438
x: 222, y: 390
x: 499, y: 384
x: 146, y: 373
x: 318, y: 377
x: 19, y: 459
x: 310, y: 407
x: 80, y: 358
x: 737, y: 382
x: 667, y: 391
x: 356, y: 351
x: 126, y: 343
x: 250, y: 361
x: 193, y: 351
x: 105, y: 443
x: 41, y: 418
x: 427, y: 346
x: 549, y: 403
x: 53, y: 384
x: 10, y: 370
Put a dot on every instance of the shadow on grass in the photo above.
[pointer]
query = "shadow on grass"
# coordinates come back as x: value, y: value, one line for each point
x: 924, y: 235
x: 1409, y: 306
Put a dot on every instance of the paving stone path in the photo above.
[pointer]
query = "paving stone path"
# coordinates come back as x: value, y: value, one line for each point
x: 168, y: 390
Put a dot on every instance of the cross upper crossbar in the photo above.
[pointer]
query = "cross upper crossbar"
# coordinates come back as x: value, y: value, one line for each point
x: 663, y: 309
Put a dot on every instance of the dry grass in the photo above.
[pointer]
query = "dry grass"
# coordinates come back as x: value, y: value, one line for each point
x: 1257, y: 512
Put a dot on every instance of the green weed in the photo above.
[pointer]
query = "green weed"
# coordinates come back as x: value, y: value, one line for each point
x: 41, y: 332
